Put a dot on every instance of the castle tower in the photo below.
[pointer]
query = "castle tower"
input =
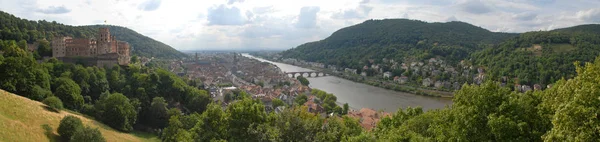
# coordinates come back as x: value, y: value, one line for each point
x: 103, y: 41
x: 104, y: 35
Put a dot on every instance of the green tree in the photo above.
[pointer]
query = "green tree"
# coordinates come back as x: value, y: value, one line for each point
x: 277, y: 102
x: 245, y: 115
x: 44, y: 48
x: 81, y: 76
x: 213, y: 124
x: 301, y: 99
x: 158, y: 110
x: 68, y: 126
x: 69, y: 92
x: 23, y: 44
x: 135, y: 59
x: 98, y: 82
x: 116, y: 111
x: 54, y: 103
x: 572, y: 106
x: 39, y: 93
x: 20, y: 73
x: 88, y: 134
x: 297, y: 124
x: 261, y: 84
x: 303, y: 80
x: 346, y: 109
x: 197, y: 99
x: 174, y: 130
x: 337, y: 129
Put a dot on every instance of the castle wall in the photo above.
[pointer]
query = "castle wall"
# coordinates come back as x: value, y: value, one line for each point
x: 79, y: 47
x: 59, y: 47
x: 105, y: 50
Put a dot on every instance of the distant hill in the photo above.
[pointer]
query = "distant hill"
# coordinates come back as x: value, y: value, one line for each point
x: 21, y: 119
x: 397, y: 39
x: 588, y: 28
x: 14, y: 28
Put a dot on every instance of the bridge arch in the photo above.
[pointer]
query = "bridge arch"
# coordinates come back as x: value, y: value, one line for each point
x: 306, y: 74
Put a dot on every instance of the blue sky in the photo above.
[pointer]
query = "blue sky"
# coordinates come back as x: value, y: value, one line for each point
x: 283, y: 24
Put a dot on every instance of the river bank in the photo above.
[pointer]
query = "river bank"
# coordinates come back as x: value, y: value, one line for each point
x: 388, y: 85
x: 360, y: 95
x: 378, y: 83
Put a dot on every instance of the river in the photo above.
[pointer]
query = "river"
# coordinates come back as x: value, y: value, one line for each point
x: 359, y: 95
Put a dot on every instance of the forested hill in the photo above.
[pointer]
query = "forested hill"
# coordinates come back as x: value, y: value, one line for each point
x: 14, y: 28
x: 541, y: 57
x: 588, y: 28
x: 397, y: 38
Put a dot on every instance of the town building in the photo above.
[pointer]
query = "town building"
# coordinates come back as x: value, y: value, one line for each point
x: 103, y: 50
x: 387, y: 74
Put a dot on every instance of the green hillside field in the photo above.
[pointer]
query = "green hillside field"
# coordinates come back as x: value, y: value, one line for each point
x: 22, y: 119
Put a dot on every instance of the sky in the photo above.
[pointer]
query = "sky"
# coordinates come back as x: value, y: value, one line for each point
x: 285, y: 24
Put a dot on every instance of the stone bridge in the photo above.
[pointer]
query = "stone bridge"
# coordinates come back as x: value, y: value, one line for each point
x: 306, y: 74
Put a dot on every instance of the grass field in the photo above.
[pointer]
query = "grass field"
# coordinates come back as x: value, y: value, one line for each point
x: 23, y: 120
x: 536, y: 49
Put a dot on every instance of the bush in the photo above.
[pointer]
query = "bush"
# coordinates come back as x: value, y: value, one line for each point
x: 88, y: 109
x: 39, y: 93
x: 68, y: 126
x: 69, y: 92
x: 88, y: 134
x: 303, y: 80
x: 116, y: 111
x: 277, y: 103
x: 54, y: 103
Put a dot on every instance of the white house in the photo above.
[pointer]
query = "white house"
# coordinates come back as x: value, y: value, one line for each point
x: 387, y: 74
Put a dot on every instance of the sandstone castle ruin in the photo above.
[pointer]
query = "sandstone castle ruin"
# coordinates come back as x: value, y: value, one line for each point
x: 103, y: 50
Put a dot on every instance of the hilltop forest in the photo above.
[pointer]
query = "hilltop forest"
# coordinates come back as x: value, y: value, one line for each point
x: 540, y: 57
x: 14, y: 28
x: 397, y: 39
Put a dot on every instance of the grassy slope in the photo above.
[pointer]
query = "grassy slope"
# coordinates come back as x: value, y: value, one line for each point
x: 21, y: 119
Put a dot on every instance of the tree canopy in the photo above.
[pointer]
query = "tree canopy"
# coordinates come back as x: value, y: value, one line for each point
x: 117, y: 111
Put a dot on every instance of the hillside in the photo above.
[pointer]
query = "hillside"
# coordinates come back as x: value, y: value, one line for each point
x: 21, y: 119
x: 541, y: 57
x: 588, y: 28
x: 397, y: 39
x: 14, y: 28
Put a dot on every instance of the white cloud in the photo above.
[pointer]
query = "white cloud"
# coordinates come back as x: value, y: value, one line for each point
x: 234, y: 1
x: 283, y: 24
x: 150, y: 5
x: 360, y: 12
x: 308, y: 17
x: 526, y: 16
x: 54, y: 10
x: 590, y: 15
x: 451, y: 18
x: 225, y: 15
x: 475, y: 7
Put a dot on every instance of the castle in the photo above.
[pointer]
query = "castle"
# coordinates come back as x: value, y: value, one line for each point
x: 104, y: 50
